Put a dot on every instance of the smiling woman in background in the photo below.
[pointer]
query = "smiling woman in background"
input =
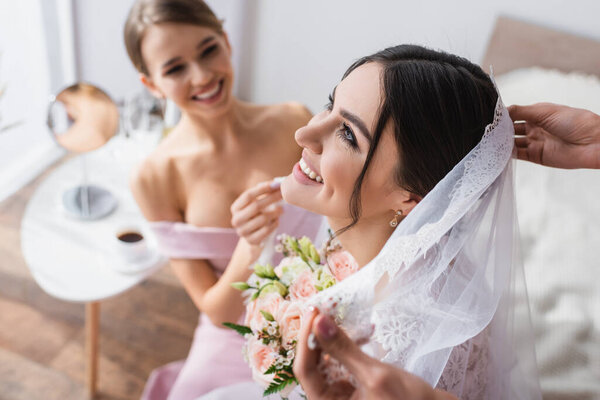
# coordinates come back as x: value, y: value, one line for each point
x: 186, y: 187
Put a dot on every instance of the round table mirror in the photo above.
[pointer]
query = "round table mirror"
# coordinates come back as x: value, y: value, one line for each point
x: 83, y: 118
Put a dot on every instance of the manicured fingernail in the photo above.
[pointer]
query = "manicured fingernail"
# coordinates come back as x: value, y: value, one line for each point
x: 276, y: 182
x: 327, y: 328
x: 312, y: 341
x: 275, y: 185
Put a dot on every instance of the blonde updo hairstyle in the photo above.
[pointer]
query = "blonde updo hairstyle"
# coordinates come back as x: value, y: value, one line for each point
x: 146, y: 13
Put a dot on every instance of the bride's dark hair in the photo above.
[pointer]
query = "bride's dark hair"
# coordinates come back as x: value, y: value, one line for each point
x: 439, y: 105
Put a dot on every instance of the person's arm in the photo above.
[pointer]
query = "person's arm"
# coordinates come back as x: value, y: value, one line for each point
x: 557, y: 136
x: 213, y: 296
x: 376, y: 380
x: 221, y: 302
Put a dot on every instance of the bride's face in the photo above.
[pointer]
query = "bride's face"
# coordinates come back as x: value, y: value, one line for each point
x: 336, y: 143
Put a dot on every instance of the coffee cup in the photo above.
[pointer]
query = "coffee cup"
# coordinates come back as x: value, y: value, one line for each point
x: 131, y: 244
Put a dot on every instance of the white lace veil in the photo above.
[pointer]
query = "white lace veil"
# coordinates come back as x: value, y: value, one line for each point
x: 446, y: 295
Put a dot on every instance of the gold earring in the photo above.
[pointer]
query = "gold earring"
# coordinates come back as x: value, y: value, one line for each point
x: 394, y: 222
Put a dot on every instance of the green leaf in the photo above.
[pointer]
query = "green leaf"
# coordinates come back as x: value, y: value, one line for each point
x: 268, y: 316
x: 271, y: 370
x: 278, y: 385
x: 240, y: 285
x: 241, y: 329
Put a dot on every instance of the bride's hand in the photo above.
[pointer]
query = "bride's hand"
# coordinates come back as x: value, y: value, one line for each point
x: 376, y: 380
x: 255, y: 214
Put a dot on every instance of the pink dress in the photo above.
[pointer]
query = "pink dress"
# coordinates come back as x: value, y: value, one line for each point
x: 215, y: 358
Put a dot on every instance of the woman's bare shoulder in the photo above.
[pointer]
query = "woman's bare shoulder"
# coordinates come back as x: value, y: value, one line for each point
x: 292, y: 114
x: 152, y: 172
x: 279, y: 120
x: 153, y: 184
x: 166, y: 161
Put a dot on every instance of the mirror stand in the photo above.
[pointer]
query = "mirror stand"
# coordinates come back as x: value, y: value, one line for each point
x: 86, y: 201
x: 83, y: 118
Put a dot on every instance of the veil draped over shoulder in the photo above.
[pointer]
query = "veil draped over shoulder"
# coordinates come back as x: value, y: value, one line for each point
x: 445, y: 299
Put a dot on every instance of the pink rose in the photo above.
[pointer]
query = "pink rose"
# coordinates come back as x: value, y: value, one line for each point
x: 342, y: 264
x: 269, y: 303
x: 289, y: 318
x: 260, y: 358
x: 303, y: 286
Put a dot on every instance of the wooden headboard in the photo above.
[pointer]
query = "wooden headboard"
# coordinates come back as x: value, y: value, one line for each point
x: 515, y: 44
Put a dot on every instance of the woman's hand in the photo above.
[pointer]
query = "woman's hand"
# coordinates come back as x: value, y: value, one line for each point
x: 557, y: 136
x: 376, y: 380
x: 255, y: 214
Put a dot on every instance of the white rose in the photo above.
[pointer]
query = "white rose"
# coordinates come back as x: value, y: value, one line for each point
x: 289, y: 269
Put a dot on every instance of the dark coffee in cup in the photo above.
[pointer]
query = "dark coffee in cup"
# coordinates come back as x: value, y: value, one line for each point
x: 130, y: 243
x: 130, y: 237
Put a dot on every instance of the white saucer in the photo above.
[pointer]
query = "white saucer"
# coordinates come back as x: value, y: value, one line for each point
x: 151, y: 260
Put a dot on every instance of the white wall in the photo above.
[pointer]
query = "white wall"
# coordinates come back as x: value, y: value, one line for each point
x: 101, y: 55
x: 303, y: 47
x: 298, y: 50
x: 28, y: 148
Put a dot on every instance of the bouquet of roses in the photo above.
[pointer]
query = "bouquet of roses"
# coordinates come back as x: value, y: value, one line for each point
x: 277, y: 301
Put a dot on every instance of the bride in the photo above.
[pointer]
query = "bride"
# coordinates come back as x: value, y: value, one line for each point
x: 411, y: 165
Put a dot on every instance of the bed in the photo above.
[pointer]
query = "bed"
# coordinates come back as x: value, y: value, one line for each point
x: 559, y: 210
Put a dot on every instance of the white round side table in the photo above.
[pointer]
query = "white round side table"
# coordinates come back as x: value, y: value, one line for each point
x: 75, y: 260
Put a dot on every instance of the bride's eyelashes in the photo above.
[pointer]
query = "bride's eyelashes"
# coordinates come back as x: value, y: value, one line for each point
x: 345, y: 133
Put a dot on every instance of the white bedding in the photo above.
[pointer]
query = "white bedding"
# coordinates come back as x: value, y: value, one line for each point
x: 559, y: 218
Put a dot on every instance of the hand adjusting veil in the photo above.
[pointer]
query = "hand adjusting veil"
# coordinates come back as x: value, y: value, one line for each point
x: 446, y: 295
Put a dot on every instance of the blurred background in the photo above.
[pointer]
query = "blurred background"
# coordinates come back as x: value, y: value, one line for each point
x: 282, y: 51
